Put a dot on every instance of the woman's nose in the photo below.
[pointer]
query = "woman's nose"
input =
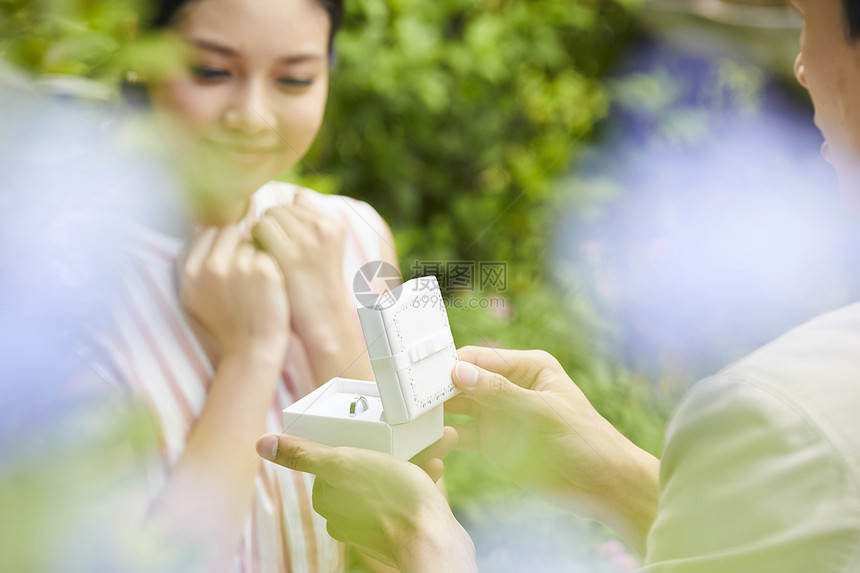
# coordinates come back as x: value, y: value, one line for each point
x: 250, y: 110
x: 800, y: 70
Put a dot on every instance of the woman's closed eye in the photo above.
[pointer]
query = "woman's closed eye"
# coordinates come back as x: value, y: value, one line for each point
x: 294, y: 82
x: 208, y: 74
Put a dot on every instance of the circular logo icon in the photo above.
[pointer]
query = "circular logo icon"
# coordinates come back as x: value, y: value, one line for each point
x: 379, y: 273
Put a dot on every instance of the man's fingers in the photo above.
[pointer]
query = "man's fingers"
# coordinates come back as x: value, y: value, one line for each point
x: 336, y: 532
x: 435, y: 468
x: 496, y: 359
x: 436, y: 452
x: 469, y: 437
x: 295, y: 453
x: 492, y: 389
x: 321, y: 497
x: 462, y: 405
x: 519, y: 366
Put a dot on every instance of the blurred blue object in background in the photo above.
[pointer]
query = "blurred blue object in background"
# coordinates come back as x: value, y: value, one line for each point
x: 722, y: 226
x: 70, y: 486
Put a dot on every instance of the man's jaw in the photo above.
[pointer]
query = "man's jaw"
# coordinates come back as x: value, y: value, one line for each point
x: 848, y: 172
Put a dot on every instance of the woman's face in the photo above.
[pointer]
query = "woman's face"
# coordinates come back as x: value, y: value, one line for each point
x: 248, y: 98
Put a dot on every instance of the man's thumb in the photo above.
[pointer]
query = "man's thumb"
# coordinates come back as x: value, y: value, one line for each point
x: 490, y: 388
x: 293, y: 452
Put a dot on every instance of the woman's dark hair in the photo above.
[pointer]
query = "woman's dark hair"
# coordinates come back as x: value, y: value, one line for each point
x: 852, y: 16
x: 164, y: 13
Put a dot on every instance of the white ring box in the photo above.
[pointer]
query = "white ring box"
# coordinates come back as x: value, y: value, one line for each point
x: 412, y: 353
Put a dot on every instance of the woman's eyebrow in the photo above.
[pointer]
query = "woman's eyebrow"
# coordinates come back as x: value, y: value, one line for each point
x: 224, y: 50
x: 298, y: 58
x: 211, y: 46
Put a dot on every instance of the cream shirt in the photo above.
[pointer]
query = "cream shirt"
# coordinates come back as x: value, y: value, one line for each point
x: 761, y: 465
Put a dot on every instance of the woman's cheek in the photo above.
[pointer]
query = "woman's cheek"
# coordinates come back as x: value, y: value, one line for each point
x: 302, y: 120
x: 196, y: 107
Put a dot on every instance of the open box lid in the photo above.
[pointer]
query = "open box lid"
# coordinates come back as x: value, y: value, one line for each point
x: 411, y: 349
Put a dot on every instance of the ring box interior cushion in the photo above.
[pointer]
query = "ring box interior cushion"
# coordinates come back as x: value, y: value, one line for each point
x: 412, y: 353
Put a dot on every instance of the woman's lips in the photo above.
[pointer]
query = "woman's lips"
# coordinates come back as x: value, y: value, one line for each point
x: 245, y: 154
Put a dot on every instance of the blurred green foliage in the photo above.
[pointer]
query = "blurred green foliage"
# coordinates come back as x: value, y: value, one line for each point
x: 67, y: 37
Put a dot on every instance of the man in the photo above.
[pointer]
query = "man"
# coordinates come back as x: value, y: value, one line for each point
x: 761, y: 465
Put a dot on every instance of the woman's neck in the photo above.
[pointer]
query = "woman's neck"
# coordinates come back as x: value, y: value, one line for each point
x: 210, y: 215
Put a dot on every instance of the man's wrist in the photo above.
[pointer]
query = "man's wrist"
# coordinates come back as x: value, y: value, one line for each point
x: 434, y: 541
x: 634, y: 496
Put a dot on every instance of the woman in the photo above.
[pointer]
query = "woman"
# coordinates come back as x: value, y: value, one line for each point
x: 262, y: 313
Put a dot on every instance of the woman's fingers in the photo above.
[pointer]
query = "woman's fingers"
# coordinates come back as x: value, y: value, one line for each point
x: 245, y: 254
x: 294, y: 227
x: 224, y: 247
x: 304, y: 210
x: 199, y: 251
x: 272, y: 237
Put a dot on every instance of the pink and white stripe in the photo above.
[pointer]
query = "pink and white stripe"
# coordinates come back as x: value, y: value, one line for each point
x: 167, y: 366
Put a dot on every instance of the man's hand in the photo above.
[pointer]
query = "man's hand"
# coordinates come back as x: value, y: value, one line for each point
x: 388, y: 507
x: 542, y: 431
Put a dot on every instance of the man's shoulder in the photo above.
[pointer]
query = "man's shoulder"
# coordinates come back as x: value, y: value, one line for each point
x: 827, y: 346
x: 774, y: 439
x: 806, y: 381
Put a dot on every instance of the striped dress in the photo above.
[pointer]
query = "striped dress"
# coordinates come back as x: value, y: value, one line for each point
x: 159, y: 358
